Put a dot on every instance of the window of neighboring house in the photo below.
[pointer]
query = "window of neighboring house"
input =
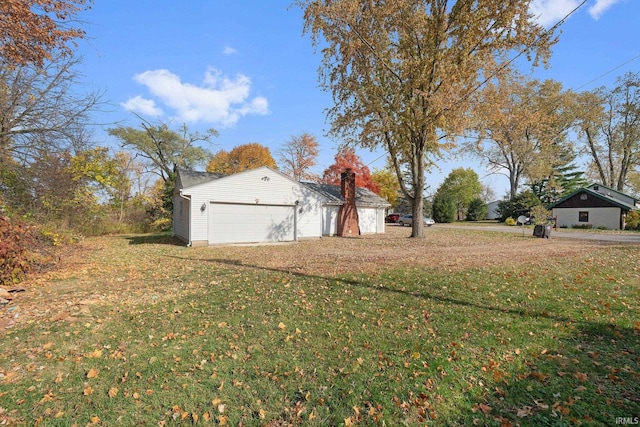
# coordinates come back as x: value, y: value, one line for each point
x: 583, y: 216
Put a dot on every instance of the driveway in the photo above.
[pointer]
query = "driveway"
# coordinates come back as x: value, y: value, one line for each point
x: 601, y: 236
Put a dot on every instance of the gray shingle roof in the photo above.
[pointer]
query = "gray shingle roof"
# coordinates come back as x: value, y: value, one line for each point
x: 190, y: 178
x: 364, y: 196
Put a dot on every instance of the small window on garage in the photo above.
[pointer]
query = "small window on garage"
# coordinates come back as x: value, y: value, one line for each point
x: 583, y: 216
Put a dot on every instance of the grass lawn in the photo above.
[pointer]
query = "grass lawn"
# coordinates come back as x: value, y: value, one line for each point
x: 463, y: 327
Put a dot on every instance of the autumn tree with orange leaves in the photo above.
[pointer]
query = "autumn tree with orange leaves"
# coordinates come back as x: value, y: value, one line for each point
x: 241, y: 158
x: 32, y: 30
x: 346, y: 158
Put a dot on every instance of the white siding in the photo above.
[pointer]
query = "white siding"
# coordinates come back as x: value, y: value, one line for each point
x: 181, y: 218
x: 381, y: 224
x: 371, y: 220
x: 261, y: 186
x: 330, y: 220
x: 598, y: 217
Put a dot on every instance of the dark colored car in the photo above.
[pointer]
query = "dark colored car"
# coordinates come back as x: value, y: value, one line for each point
x: 393, y: 218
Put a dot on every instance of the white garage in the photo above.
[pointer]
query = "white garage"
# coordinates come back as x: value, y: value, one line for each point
x: 236, y: 223
x: 262, y: 205
x: 258, y: 205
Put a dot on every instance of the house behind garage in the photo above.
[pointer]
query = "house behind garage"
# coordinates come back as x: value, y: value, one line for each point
x: 261, y: 205
x: 596, y: 206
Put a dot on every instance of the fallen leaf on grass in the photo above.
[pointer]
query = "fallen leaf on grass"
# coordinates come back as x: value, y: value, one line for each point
x: 525, y: 411
x: 94, y: 354
x: 485, y: 409
x: 113, y: 391
x: 539, y: 376
x: 93, y: 373
x: 580, y: 376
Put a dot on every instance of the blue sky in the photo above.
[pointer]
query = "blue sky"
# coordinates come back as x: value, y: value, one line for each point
x: 245, y: 69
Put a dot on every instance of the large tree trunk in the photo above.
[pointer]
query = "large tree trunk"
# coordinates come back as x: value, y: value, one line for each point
x: 417, y: 228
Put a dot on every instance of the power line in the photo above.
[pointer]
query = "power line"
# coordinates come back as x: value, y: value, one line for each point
x: 608, y: 72
x: 528, y: 47
x: 505, y: 65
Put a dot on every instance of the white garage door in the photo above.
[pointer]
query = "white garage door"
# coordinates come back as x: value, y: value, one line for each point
x: 231, y: 223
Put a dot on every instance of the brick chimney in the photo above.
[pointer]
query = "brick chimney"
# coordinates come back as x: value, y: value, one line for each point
x: 348, y: 214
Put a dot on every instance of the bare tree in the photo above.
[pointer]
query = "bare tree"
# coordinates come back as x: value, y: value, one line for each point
x: 610, y: 130
x: 163, y: 147
x: 298, y: 155
x: 41, y: 109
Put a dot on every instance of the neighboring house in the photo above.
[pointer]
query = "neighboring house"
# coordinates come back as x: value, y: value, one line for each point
x: 492, y: 210
x: 595, y: 206
x: 258, y: 205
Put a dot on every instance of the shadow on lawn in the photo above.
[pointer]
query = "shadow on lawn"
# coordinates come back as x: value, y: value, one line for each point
x: 155, y: 239
x: 422, y: 294
x: 599, y: 363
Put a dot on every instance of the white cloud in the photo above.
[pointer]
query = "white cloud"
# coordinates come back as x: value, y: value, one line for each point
x: 550, y: 12
x: 142, y: 106
x: 218, y: 99
x: 228, y: 50
x: 600, y: 7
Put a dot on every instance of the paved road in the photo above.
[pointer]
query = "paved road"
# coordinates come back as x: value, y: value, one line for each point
x: 630, y: 237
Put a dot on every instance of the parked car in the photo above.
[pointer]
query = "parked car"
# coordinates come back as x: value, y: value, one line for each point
x: 408, y: 220
x: 393, y: 218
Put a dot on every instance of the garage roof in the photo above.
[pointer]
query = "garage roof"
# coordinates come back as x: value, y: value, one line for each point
x: 364, y: 196
x: 190, y: 178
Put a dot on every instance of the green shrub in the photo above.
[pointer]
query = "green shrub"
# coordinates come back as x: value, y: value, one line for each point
x: 521, y: 205
x: 582, y: 226
x: 510, y: 221
x: 444, y: 209
x: 477, y: 210
x: 633, y: 220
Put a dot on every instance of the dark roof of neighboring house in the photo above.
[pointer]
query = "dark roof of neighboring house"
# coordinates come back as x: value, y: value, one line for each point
x: 190, y: 178
x: 616, y: 202
x: 598, y: 187
x: 364, y: 196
